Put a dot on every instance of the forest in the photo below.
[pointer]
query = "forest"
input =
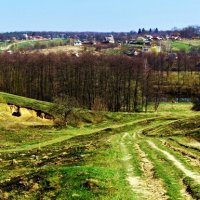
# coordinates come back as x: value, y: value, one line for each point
x: 106, y: 82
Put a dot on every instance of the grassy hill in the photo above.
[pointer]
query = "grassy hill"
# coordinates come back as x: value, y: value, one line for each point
x: 24, y: 102
x: 25, y: 45
x: 108, y: 156
x: 76, y: 117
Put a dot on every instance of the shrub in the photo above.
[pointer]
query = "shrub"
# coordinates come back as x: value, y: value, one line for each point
x: 196, y: 104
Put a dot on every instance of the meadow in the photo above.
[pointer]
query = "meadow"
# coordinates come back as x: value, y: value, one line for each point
x: 153, y: 155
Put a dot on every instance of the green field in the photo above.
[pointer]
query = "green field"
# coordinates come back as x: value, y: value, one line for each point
x: 152, y: 155
x: 25, y: 45
x: 185, y: 45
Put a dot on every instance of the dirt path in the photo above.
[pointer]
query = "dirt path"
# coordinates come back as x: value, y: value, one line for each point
x: 146, y: 187
x: 177, y: 163
x: 134, y: 181
x: 131, y: 178
x: 155, y: 186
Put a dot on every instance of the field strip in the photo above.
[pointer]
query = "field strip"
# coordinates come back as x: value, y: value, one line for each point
x: 134, y: 181
x: 177, y: 163
x: 153, y: 184
x: 66, y: 137
x: 146, y: 187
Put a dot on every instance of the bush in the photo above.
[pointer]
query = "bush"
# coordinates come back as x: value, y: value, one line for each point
x: 99, y: 105
x: 196, y: 104
x: 59, y: 122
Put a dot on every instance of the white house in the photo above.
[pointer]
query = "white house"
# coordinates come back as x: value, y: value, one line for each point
x: 77, y: 43
x: 110, y: 39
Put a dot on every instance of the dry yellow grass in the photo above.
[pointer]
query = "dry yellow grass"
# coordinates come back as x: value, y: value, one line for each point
x: 66, y: 49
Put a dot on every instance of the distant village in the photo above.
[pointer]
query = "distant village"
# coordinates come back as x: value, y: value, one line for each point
x: 141, y: 41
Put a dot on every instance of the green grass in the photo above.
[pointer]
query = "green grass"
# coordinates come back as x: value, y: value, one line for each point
x: 178, y: 124
x: 77, y: 117
x: 3, y: 44
x: 37, y: 44
x: 184, y: 45
x: 177, y: 107
x: 100, y: 167
x: 180, y: 46
x: 192, y: 187
x: 195, y: 42
x: 114, y: 52
x: 33, y: 138
x: 86, y: 162
x: 135, y: 158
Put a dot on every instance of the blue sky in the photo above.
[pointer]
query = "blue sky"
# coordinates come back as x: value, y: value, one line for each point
x: 97, y: 15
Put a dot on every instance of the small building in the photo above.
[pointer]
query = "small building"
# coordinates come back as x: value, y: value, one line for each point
x: 149, y: 37
x: 25, y: 36
x: 89, y: 42
x: 110, y: 39
x: 77, y: 43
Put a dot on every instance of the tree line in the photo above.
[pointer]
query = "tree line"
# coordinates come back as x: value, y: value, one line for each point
x: 113, y: 83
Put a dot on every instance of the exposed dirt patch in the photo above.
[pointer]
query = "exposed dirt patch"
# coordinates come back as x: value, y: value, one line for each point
x: 16, y: 117
x: 146, y: 187
x: 153, y: 185
x: 19, y: 111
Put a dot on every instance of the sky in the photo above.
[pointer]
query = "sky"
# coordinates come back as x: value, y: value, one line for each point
x: 97, y: 15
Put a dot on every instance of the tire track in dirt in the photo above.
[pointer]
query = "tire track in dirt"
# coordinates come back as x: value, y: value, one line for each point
x: 154, y: 185
x: 146, y: 187
x: 177, y: 163
x: 193, y: 159
x: 190, y: 145
x: 131, y: 178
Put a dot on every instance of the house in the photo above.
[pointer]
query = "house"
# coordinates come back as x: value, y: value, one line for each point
x: 37, y: 37
x: 88, y: 42
x: 156, y: 37
x: 149, y: 37
x: 109, y: 39
x: 140, y: 41
x: 132, y: 42
x: 77, y: 43
x: 9, y: 51
x: 175, y: 36
x: 25, y: 36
